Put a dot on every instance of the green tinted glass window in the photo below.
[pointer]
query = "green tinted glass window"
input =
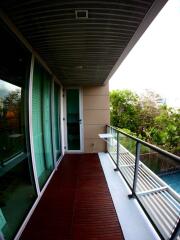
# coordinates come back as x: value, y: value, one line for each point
x: 57, y: 129
x: 41, y: 114
x: 17, y: 191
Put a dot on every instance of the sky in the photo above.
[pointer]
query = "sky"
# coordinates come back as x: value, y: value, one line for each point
x: 154, y: 62
x: 6, y: 87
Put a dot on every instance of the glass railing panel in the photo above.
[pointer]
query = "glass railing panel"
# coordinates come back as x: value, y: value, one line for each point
x: 127, y: 151
x: 153, y: 175
x: 128, y: 174
x: 112, y: 144
x: 127, y: 143
x: 154, y: 193
x: 164, y: 167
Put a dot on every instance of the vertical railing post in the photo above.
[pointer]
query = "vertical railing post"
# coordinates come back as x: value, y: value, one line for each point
x: 107, y: 143
x: 138, y: 149
x: 117, y: 149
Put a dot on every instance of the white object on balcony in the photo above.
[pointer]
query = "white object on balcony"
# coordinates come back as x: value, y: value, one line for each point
x: 105, y: 136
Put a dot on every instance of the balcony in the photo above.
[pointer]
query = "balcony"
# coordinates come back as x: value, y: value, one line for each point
x: 54, y: 101
x: 112, y: 195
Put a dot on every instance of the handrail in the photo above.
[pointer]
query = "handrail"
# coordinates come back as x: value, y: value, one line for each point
x: 159, y: 150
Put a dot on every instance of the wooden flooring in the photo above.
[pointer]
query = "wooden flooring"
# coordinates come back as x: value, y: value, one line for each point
x: 76, y: 205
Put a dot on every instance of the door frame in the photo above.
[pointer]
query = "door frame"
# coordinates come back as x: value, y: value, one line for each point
x: 61, y: 133
x: 80, y: 116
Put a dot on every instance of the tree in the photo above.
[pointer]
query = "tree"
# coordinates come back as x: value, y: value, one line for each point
x: 147, y: 118
x: 149, y: 110
x: 166, y: 129
x: 12, y: 102
x: 124, y: 109
x: 12, y: 110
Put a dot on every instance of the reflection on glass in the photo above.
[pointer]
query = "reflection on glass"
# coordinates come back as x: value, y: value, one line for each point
x: 17, y: 192
x: 11, y: 133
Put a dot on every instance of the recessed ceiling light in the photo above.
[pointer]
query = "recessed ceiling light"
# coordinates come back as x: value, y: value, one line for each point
x: 81, y: 14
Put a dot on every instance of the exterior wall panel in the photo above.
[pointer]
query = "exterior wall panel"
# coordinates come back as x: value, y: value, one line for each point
x: 96, y: 115
x: 96, y: 103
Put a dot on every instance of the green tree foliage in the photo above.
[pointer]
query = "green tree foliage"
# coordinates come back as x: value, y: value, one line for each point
x: 124, y: 107
x: 166, y: 129
x: 149, y: 110
x: 146, y: 118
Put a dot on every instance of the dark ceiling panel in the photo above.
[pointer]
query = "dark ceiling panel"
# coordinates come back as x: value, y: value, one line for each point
x: 78, y: 51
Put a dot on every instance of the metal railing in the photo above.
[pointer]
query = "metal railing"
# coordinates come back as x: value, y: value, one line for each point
x: 146, y: 169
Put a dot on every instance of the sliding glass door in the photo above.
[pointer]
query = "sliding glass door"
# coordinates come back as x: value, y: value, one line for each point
x: 74, y: 120
x: 17, y: 188
x: 57, y: 118
x: 41, y: 122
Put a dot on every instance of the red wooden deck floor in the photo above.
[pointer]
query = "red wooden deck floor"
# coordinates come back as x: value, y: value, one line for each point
x: 76, y: 205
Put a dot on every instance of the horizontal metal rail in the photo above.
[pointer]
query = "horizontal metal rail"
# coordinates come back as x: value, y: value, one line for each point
x: 128, y: 165
x: 157, y: 149
x: 151, y: 191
